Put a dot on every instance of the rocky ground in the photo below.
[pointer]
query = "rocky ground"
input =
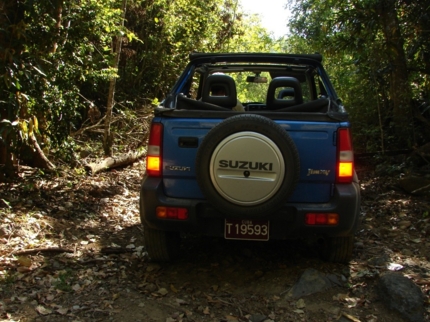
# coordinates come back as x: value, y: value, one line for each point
x: 71, y: 249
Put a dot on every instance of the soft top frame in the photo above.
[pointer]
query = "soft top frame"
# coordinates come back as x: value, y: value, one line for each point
x: 255, y: 57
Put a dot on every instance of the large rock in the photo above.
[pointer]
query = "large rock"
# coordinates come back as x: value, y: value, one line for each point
x: 415, y: 185
x: 401, y: 294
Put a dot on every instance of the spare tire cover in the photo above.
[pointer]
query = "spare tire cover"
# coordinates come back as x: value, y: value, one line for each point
x: 247, y: 165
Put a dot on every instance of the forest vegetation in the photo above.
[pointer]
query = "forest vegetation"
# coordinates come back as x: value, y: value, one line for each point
x: 74, y: 66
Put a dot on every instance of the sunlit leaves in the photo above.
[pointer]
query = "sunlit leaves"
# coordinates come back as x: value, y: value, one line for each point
x: 54, y: 50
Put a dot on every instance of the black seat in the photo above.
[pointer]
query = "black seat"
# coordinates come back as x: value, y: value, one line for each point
x: 290, y: 86
x: 224, y: 83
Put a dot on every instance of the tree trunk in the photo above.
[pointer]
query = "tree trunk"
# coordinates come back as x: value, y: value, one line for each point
x: 400, y: 88
x: 107, y: 139
x: 114, y: 162
x: 41, y: 161
x: 58, y: 19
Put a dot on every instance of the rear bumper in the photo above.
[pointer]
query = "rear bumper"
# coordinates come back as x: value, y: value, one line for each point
x: 288, y: 222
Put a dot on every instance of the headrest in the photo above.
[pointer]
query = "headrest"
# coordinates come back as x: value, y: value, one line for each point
x: 288, y: 92
x: 291, y: 86
x: 220, y: 83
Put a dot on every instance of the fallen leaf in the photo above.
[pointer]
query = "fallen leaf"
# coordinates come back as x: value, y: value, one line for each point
x: 350, y: 317
x: 162, y: 291
x: 42, y: 310
x: 50, y: 297
x: 206, y: 311
x: 300, y: 304
x: 394, y: 267
x: 62, y: 310
x: 340, y: 297
x: 181, y: 302
x: 173, y: 288
x: 24, y: 261
x: 76, y: 287
x: 352, y: 302
x: 404, y: 224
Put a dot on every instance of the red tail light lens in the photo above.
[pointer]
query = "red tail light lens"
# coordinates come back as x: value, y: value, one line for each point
x: 172, y: 213
x: 330, y: 219
x: 345, y: 162
x: 154, y: 160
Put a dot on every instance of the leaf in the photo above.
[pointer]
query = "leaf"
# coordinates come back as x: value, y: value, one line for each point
x: 50, y: 297
x: 30, y: 127
x: 206, y: 310
x: 76, y: 287
x: 7, y: 203
x: 62, y: 310
x: 42, y: 310
x: 300, y: 304
x: 163, y: 291
x: 394, y: 267
x: 24, y: 261
x: 35, y: 124
x: 181, y: 302
x: 173, y: 288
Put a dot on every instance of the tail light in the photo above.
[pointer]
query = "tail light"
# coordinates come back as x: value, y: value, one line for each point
x: 345, y: 162
x: 330, y: 219
x: 172, y: 213
x: 154, y: 160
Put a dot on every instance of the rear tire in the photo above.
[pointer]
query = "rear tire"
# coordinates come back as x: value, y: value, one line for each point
x: 338, y: 249
x: 162, y: 246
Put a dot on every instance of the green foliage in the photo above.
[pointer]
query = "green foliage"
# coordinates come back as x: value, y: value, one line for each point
x: 56, y: 58
x: 365, y: 44
x: 251, y: 92
x: 64, y: 280
x: 52, y: 51
x: 169, y: 31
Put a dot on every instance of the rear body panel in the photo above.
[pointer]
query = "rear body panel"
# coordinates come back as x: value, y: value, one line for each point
x: 315, y: 142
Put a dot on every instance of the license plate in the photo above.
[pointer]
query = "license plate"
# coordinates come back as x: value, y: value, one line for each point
x: 246, y: 229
